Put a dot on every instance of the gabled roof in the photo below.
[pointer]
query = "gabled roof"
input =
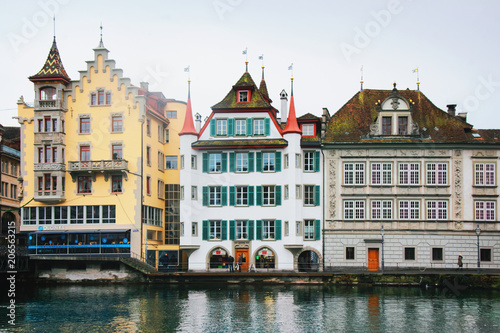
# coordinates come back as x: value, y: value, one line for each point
x: 309, y: 116
x: 53, y: 68
x: 256, y: 98
x: 351, y: 123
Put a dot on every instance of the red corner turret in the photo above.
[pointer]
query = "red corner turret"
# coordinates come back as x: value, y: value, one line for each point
x: 291, y: 125
x: 188, y: 127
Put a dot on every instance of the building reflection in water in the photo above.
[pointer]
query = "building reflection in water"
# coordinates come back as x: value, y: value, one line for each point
x: 224, y: 308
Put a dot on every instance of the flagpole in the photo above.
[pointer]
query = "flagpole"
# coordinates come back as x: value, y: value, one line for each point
x: 361, y: 78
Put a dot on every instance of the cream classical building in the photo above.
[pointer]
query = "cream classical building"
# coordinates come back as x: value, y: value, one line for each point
x: 409, y: 185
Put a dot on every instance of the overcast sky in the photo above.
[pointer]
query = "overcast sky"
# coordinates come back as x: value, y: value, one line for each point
x: 454, y: 44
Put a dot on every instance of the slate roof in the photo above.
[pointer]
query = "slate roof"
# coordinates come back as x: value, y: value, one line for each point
x: 256, y: 100
x: 53, y: 68
x: 351, y: 123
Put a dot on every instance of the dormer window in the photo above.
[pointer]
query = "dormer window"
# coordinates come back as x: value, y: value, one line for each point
x: 386, y: 125
x: 402, y: 125
x: 243, y: 96
x: 394, y: 117
x: 308, y: 130
x: 48, y: 94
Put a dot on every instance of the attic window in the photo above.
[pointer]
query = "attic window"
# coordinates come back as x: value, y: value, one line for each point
x: 308, y: 130
x: 476, y: 135
x: 243, y: 96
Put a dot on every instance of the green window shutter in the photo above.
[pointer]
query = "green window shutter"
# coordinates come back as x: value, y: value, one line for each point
x: 205, y: 162
x: 205, y: 195
x: 213, y: 124
x: 205, y: 230
x: 223, y: 162
x: 317, y: 230
x: 250, y: 230
x: 317, y: 165
x: 232, y: 196
x: 259, y: 161
x: 277, y: 229
x: 251, y: 201
x: 250, y: 162
x: 317, y: 194
x: 232, y: 231
x: 249, y: 126
x: 258, y: 236
x: 277, y: 195
x: 223, y: 234
x: 259, y: 196
x: 277, y: 158
x: 230, y: 127
x: 267, y: 126
x: 224, y: 195
x: 232, y: 162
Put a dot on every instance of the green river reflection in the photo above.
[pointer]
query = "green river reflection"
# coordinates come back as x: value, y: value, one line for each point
x: 233, y: 308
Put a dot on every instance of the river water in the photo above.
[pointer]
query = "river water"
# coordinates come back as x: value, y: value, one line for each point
x: 233, y: 308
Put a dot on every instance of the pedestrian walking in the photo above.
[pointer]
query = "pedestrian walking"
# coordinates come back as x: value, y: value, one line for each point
x: 240, y: 262
x: 460, y: 262
x: 231, y: 263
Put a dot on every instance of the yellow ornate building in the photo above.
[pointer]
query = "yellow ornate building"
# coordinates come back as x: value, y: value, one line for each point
x: 100, y: 163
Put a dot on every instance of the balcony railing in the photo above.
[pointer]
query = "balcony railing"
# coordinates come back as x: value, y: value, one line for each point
x: 103, y: 165
x: 49, y: 196
x: 49, y: 104
x: 50, y: 167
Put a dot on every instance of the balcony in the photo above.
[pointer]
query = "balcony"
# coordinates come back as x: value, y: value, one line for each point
x: 50, y: 167
x: 52, y: 104
x: 49, y: 196
x: 92, y: 167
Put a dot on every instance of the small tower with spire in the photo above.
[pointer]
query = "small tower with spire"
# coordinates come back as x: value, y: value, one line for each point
x: 50, y: 110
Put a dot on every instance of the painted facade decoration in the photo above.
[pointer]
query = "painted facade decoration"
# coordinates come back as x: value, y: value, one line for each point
x: 408, y: 185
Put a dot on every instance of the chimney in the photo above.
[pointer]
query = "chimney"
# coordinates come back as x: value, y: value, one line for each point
x: 452, y: 109
x: 284, y: 106
x: 145, y: 86
x: 197, y: 121
x: 463, y: 116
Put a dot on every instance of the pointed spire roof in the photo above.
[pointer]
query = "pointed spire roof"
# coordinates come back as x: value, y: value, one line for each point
x: 291, y: 125
x: 188, y: 127
x: 53, y: 68
x: 257, y: 100
x: 263, y: 88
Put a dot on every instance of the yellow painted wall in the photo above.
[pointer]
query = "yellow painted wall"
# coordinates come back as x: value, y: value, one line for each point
x: 101, y: 74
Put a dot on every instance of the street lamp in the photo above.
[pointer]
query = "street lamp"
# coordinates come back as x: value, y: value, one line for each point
x: 382, y: 233
x: 478, y: 231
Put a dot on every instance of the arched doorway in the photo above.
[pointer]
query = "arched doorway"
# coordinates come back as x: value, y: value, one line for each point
x: 6, y: 218
x: 218, y: 258
x: 308, y: 261
x: 265, y: 258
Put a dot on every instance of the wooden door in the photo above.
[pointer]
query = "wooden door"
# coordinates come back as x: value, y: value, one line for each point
x: 373, y: 259
x: 245, y: 259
